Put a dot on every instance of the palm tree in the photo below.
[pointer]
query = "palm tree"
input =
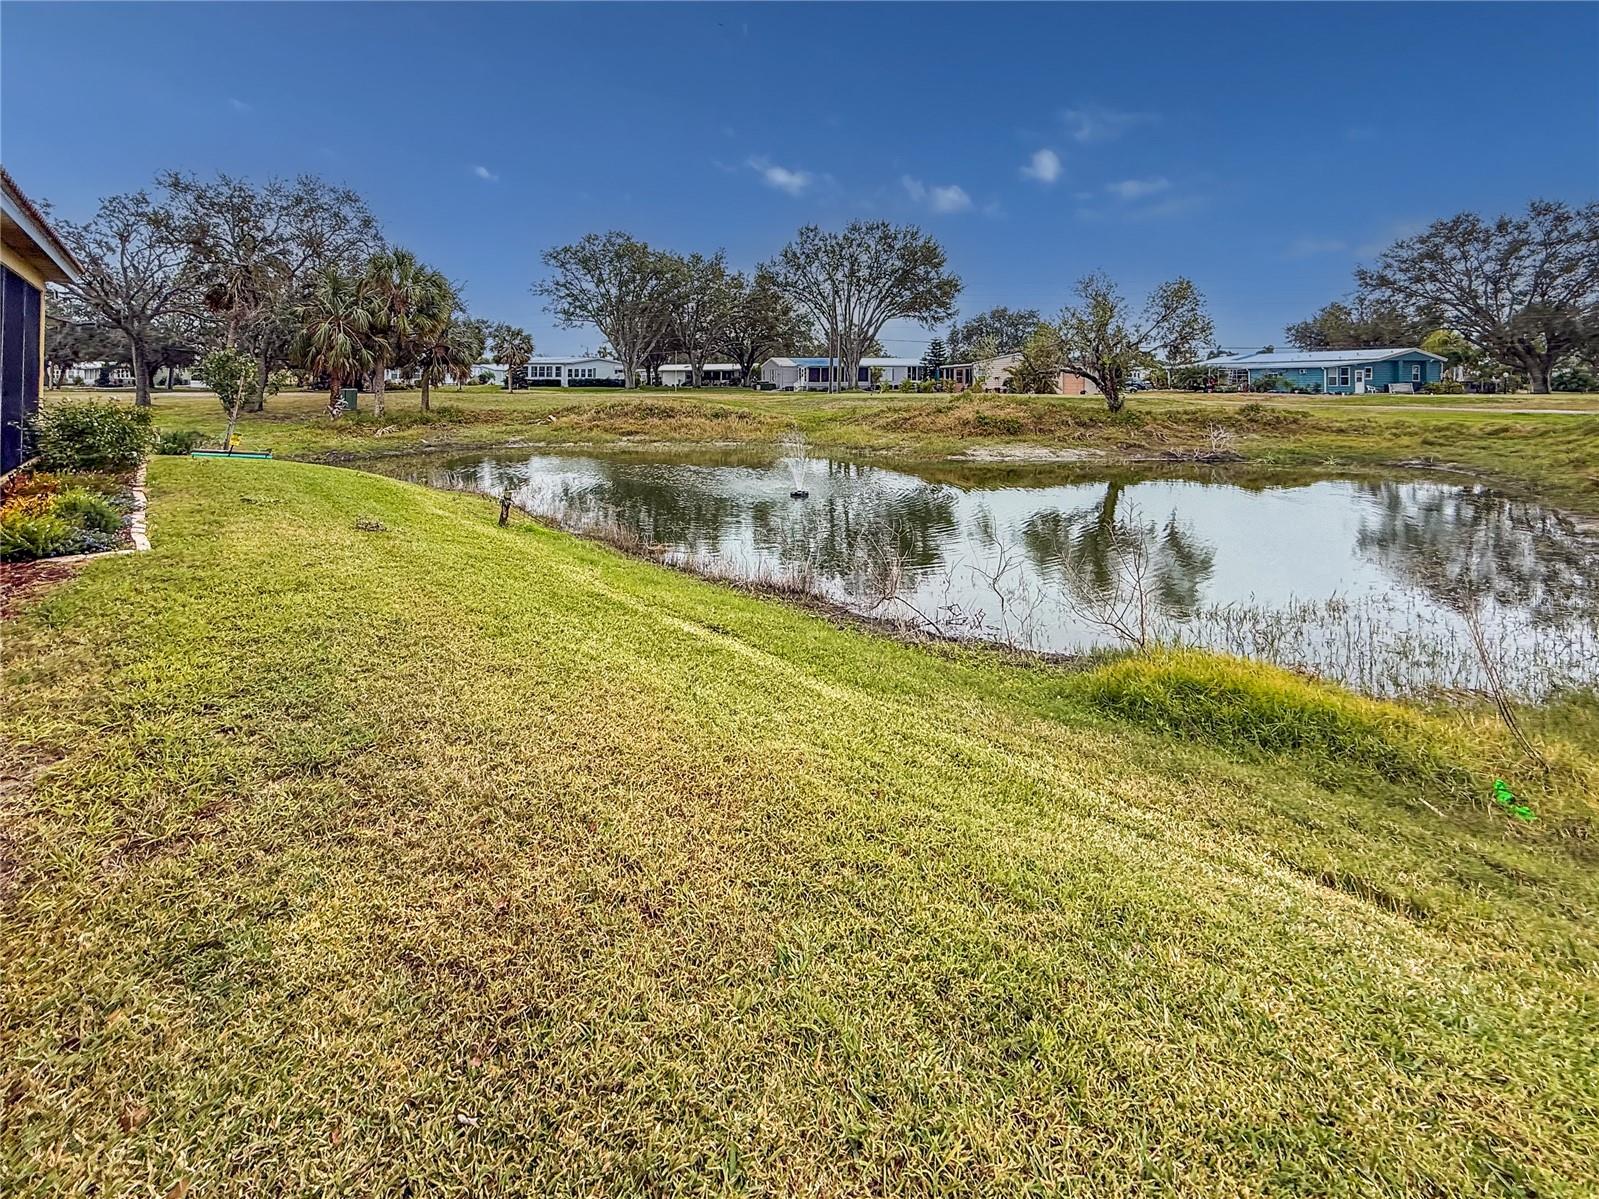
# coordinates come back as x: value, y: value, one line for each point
x: 513, y: 347
x: 335, y: 335
x: 450, y: 350
x: 397, y: 290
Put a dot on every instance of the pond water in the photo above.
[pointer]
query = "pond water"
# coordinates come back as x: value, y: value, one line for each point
x: 1375, y: 582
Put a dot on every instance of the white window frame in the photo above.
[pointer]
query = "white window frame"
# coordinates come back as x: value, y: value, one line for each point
x: 1415, y: 372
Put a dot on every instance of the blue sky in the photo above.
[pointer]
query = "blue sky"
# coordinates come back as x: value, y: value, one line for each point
x: 1260, y: 149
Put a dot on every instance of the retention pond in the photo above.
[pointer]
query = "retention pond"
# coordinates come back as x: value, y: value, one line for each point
x: 1391, y: 585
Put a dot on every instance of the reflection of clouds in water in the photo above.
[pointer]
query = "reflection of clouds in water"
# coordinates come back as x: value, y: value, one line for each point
x: 1301, y: 574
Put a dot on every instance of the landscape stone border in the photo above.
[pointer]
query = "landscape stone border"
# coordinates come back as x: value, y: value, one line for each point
x: 138, y: 529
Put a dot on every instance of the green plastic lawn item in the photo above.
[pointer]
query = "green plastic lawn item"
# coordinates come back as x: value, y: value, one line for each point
x: 1506, y: 799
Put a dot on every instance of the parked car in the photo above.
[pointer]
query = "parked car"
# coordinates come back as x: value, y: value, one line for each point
x: 1137, y: 385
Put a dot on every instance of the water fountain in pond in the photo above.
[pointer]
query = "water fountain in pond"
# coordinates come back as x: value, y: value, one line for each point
x: 798, y: 464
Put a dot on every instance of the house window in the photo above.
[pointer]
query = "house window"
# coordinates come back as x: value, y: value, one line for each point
x: 1415, y: 372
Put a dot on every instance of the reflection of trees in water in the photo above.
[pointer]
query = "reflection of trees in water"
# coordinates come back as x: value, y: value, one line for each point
x: 1459, y: 543
x: 830, y: 533
x: 668, y: 508
x: 1085, y: 550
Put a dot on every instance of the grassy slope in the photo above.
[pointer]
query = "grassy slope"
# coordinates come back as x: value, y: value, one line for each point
x: 1556, y: 456
x: 486, y: 859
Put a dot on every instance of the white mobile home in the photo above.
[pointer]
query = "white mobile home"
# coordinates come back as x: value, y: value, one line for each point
x: 712, y: 374
x: 573, y: 372
x: 99, y: 374
x: 813, y: 374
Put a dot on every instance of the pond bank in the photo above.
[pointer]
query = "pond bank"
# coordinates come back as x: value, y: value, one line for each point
x: 586, y: 856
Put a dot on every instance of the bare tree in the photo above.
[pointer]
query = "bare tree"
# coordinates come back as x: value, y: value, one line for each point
x: 619, y: 285
x: 1523, y: 289
x: 1103, y: 341
x: 135, y: 273
x: 852, y: 283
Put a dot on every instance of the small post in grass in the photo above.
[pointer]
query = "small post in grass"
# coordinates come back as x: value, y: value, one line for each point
x: 505, y: 505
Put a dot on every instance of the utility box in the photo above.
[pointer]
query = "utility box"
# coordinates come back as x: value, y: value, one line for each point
x: 348, y: 396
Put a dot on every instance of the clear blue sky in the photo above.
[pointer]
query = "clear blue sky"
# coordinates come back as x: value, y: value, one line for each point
x: 1260, y: 149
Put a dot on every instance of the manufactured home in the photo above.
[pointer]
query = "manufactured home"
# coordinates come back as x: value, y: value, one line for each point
x: 573, y: 372
x: 1335, y: 372
x: 993, y: 374
x: 99, y: 374
x: 712, y: 374
x: 816, y: 374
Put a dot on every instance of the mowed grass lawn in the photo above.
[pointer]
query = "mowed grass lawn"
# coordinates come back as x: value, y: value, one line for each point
x: 451, y: 859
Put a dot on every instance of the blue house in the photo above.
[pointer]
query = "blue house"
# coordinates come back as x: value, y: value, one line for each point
x: 1338, y: 372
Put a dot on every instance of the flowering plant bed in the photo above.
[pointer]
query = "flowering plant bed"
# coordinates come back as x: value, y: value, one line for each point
x: 55, y: 515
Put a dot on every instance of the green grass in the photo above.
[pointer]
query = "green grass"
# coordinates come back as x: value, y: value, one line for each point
x: 1554, y: 456
x: 453, y: 859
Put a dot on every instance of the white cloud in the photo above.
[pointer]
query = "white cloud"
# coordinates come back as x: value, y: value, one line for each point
x: 1044, y: 166
x: 239, y: 105
x: 784, y: 179
x: 483, y: 172
x: 940, y: 198
x: 1309, y: 247
x: 1138, y: 189
x: 1094, y: 123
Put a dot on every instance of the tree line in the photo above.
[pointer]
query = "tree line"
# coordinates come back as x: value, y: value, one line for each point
x: 826, y: 292
x: 285, y: 273
x: 834, y: 293
x: 1512, y: 297
x: 246, y: 279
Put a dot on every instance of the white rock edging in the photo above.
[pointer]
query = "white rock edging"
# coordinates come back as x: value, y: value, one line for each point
x: 137, y: 529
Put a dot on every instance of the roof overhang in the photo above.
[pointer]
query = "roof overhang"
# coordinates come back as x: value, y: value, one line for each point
x: 26, y: 232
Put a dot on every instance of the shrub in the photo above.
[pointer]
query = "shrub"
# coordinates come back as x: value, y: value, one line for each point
x: 1575, y: 378
x: 87, y: 510
x: 1445, y: 387
x: 1270, y: 383
x: 92, y: 436
x: 25, y: 536
x: 179, y: 442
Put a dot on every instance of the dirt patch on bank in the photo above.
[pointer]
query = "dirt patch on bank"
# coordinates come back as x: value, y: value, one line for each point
x: 1026, y: 453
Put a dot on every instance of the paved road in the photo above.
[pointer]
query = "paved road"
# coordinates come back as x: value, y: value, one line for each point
x: 1325, y: 406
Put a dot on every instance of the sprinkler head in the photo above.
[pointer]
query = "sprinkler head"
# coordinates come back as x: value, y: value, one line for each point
x: 799, y: 495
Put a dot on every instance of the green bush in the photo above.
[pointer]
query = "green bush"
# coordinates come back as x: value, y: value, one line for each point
x: 1445, y: 387
x: 25, y: 536
x: 179, y: 442
x: 1575, y: 378
x: 92, y: 436
x: 87, y: 510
